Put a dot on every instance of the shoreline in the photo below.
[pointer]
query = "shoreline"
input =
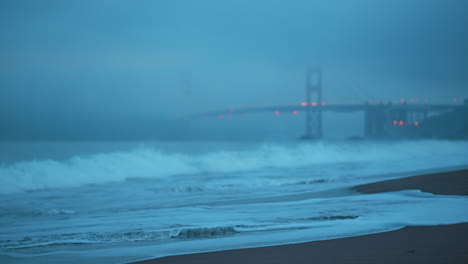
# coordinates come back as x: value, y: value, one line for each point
x: 419, y: 244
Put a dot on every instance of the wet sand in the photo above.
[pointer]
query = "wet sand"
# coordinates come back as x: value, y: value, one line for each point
x: 431, y: 244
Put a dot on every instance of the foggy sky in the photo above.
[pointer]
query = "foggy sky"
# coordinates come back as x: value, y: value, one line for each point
x: 87, y: 67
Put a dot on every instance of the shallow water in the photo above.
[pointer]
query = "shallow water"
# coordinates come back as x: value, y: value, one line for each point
x: 116, y: 202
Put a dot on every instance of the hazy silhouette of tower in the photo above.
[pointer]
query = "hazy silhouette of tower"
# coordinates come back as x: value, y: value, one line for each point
x: 313, y: 129
x: 186, y: 91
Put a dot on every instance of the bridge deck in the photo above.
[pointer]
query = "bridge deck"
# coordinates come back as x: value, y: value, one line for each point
x: 333, y: 108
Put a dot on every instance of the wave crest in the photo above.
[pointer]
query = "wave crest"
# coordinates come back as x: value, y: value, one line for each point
x: 150, y: 163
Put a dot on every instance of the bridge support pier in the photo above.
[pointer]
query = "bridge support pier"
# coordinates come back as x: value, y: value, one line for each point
x: 375, y: 121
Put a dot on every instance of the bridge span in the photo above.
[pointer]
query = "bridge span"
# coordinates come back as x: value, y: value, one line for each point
x: 345, y: 108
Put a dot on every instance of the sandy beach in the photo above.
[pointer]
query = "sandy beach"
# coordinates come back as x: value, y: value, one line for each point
x: 422, y: 244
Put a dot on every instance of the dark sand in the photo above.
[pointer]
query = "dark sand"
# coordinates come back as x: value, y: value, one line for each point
x: 449, y: 183
x: 446, y: 244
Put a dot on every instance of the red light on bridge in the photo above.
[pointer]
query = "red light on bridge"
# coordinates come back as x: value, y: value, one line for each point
x: 229, y: 114
x: 323, y: 104
x: 295, y: 112
x: 243, y: 114
x: 454, y: 100
x: 426, y: 100
x: 395, y: 122
x: 277, y: 112
x: 401, y: 123
x: 314, y: 104
x: 417, y: 100
x: 304, y: 104
x: 220, y: 117
x: 416, y: 123
x: 402, y: 100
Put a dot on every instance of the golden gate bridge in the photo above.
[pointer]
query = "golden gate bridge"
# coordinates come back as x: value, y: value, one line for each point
x: 379, y: 116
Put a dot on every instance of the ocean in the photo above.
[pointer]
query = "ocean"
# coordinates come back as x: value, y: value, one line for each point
x: 115, y: 202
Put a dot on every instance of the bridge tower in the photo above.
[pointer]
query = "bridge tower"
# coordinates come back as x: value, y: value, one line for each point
x: 313, y: 129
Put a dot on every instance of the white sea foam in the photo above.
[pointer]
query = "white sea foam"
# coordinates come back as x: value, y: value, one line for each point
x: 152, y: 163
x: 240, y: 226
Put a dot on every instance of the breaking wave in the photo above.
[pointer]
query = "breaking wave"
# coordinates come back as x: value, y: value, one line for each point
x: 150, y: 163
